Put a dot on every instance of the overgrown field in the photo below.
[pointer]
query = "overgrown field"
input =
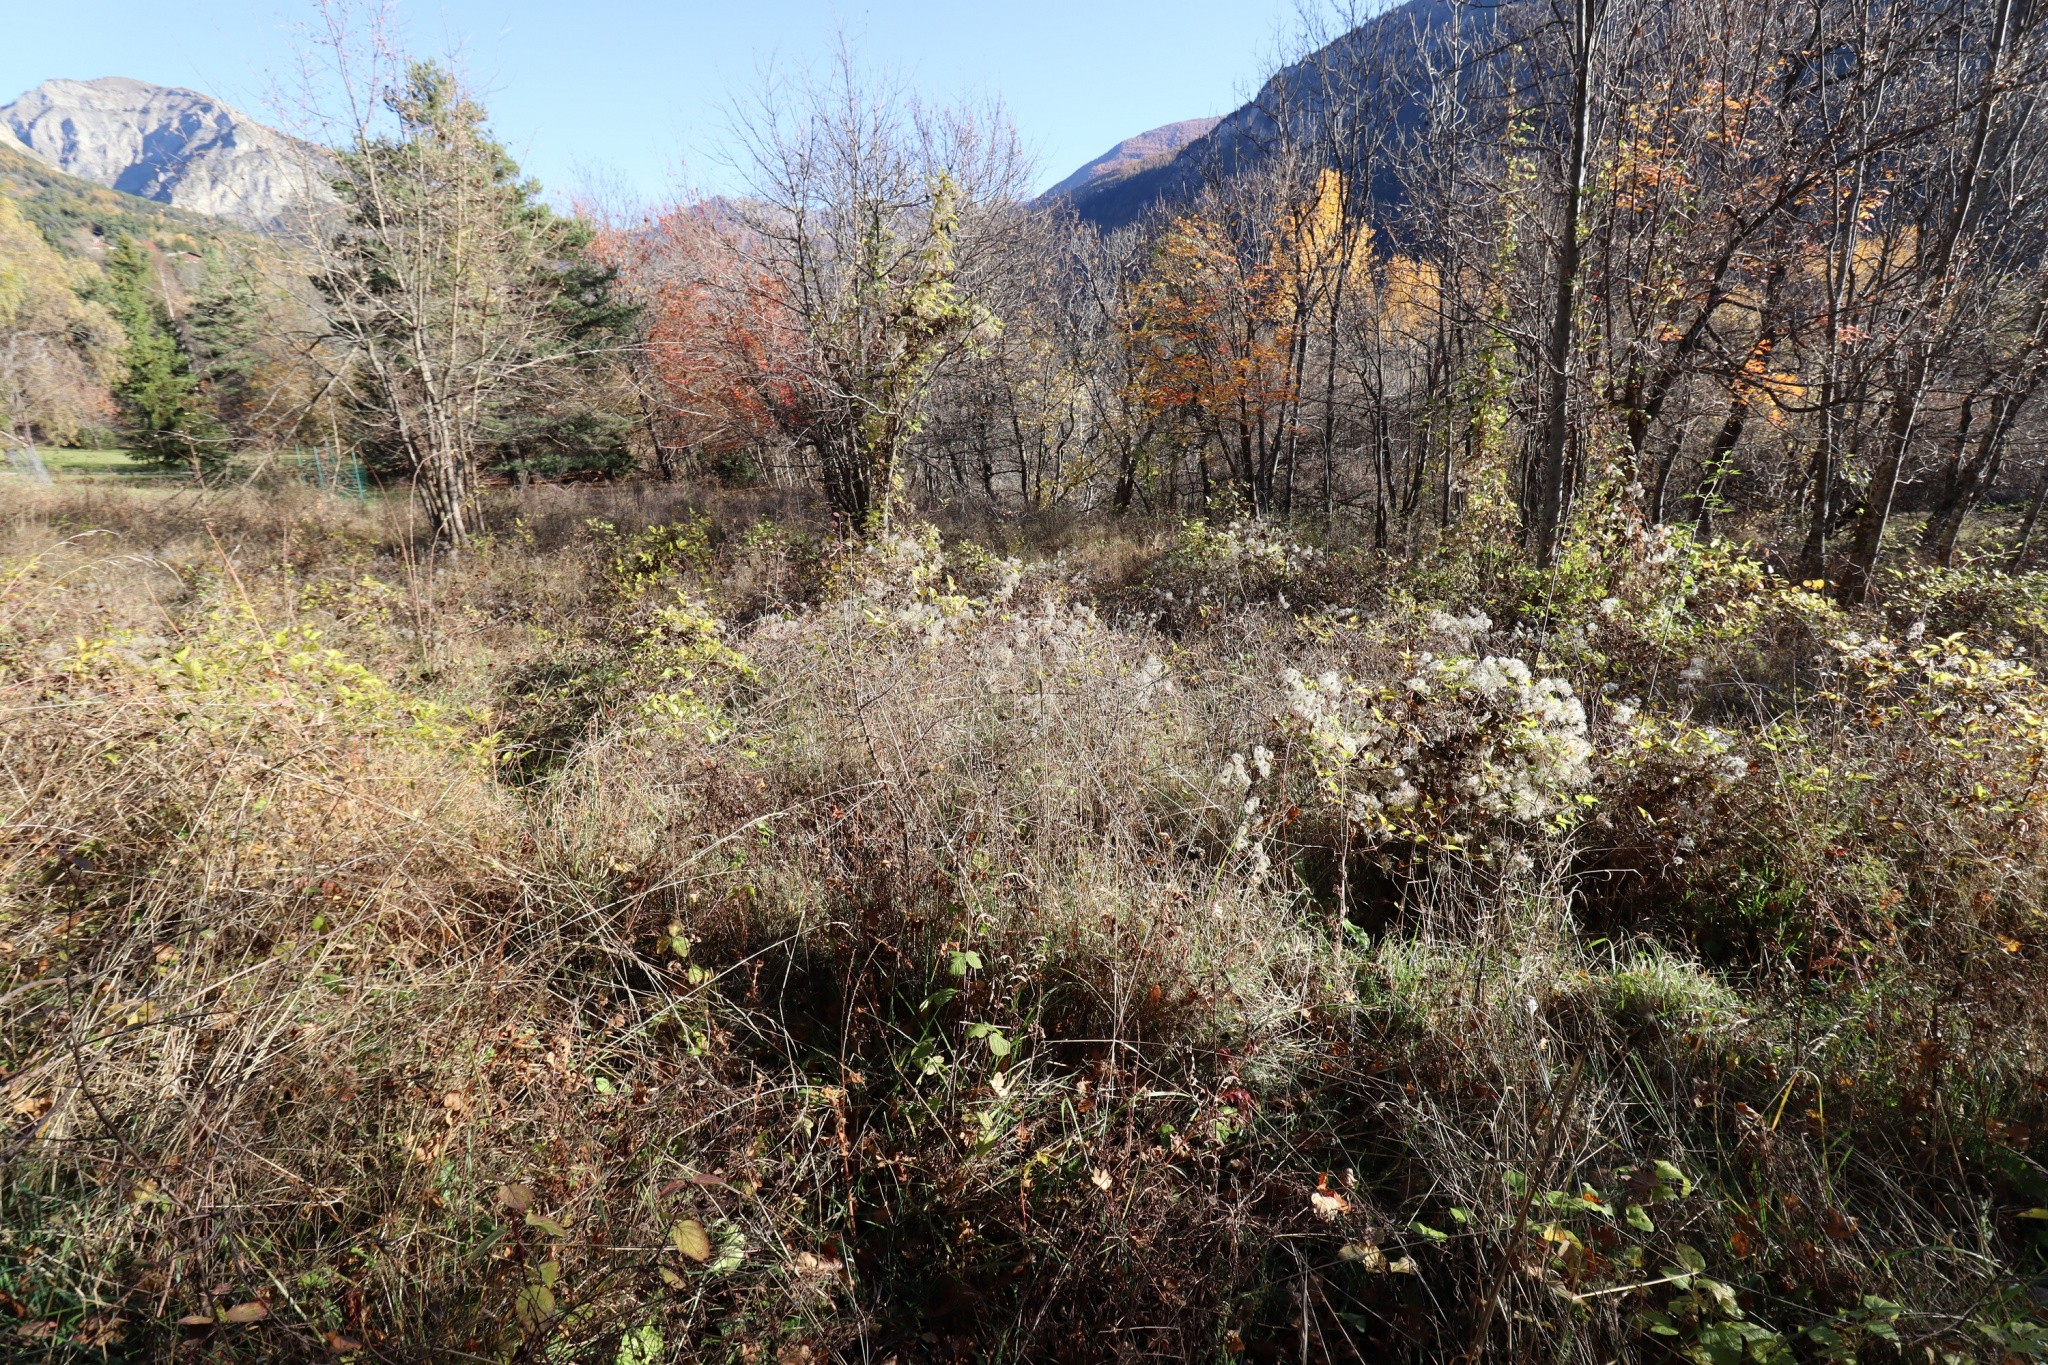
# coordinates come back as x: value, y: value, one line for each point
x: 667, y: 934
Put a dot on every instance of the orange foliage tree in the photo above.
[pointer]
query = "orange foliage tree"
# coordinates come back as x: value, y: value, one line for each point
x: 711, y: 372
x: 1214, y: 337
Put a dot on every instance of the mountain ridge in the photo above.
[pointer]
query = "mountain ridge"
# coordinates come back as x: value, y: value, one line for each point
x: 1239, y: 138
x: 1132, y: 155
x: 169, y: 145
x: 80, y: 218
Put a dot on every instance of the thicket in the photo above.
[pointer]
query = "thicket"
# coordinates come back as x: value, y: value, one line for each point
x: 1364, y: 768
x: 674, y: 932
x: 1774, y: 263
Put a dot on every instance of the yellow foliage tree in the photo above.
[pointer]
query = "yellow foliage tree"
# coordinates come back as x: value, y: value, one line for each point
x: 57, y: 349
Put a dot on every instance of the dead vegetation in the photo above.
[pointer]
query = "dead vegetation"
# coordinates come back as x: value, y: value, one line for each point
x: 665, y: 933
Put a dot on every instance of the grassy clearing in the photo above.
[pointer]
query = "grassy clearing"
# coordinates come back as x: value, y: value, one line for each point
x: 65, y: 463
x: 666, y: 934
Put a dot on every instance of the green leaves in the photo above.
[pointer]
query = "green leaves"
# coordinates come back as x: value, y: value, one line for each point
x: 534, y: 1305
x: 1690, y: 1263
x: 1671, y: 1183
x: 999, y: 1044
x: 962, y: 961
x: 641, y: 1346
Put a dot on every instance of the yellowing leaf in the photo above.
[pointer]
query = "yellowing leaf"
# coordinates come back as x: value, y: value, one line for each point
x: 691, y: 1239
x: 246, y: 1313
x: 1363, y: 1254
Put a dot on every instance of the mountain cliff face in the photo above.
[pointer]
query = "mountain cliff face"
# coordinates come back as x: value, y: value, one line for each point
x: 1358, y: 61
x: 174, y: 146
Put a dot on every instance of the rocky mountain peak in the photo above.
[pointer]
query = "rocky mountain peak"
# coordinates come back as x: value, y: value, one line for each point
x: 172, y: 145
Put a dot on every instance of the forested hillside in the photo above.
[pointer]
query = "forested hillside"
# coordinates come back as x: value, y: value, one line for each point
x: 69, y: 211
x: 1431, y: 751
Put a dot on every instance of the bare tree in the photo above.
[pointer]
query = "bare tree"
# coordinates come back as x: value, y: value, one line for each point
x: 870, y: 219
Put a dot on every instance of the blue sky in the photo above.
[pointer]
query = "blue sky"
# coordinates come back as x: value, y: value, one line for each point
x: 630, y: 94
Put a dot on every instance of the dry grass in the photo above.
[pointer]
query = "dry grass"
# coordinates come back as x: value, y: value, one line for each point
x: 499, y: 959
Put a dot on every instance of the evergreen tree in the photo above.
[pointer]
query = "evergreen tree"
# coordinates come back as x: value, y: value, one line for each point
x: 168, y: 419
x: 575, y: 420
x: 225, y: 324
x: 472, y: 309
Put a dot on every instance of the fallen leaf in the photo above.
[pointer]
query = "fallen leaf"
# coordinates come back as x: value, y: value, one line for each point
x: 1103, y: 1179
x: 691, y: 1239
x: 810, y: 1264
x: 517, y: 1198
x: 244, y: 1313
x: 1364, y: 1255
x: 100, y: 1331
x: 1329, y: 1206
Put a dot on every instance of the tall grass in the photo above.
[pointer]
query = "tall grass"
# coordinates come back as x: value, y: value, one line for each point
x: 664, y: 933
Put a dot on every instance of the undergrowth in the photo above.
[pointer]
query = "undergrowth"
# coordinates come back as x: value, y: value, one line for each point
x: 668, y: 934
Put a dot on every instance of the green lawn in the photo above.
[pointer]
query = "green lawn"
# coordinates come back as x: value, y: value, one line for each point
x: 81, y: 464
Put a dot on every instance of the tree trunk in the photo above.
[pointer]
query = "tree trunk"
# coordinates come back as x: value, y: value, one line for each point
x: 1717, y: 466
x: 1544, y: 520
x: 1907, y: 397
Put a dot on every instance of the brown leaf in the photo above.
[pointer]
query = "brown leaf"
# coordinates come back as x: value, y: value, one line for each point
x: 196, y: 1320
x: 517, y: 1198
x: 100, y: 1331
x: 243, y: 1313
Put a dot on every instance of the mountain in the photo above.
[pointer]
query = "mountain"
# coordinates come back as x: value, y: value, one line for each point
x: 80, y: 218
x: 1364, y: 66
x: 169, y: 145
x: 1132, y: 155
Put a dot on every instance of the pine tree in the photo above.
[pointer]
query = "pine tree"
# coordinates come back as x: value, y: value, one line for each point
x: 466, y: 302
x: 169, y: 421
x: 225, y: 325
